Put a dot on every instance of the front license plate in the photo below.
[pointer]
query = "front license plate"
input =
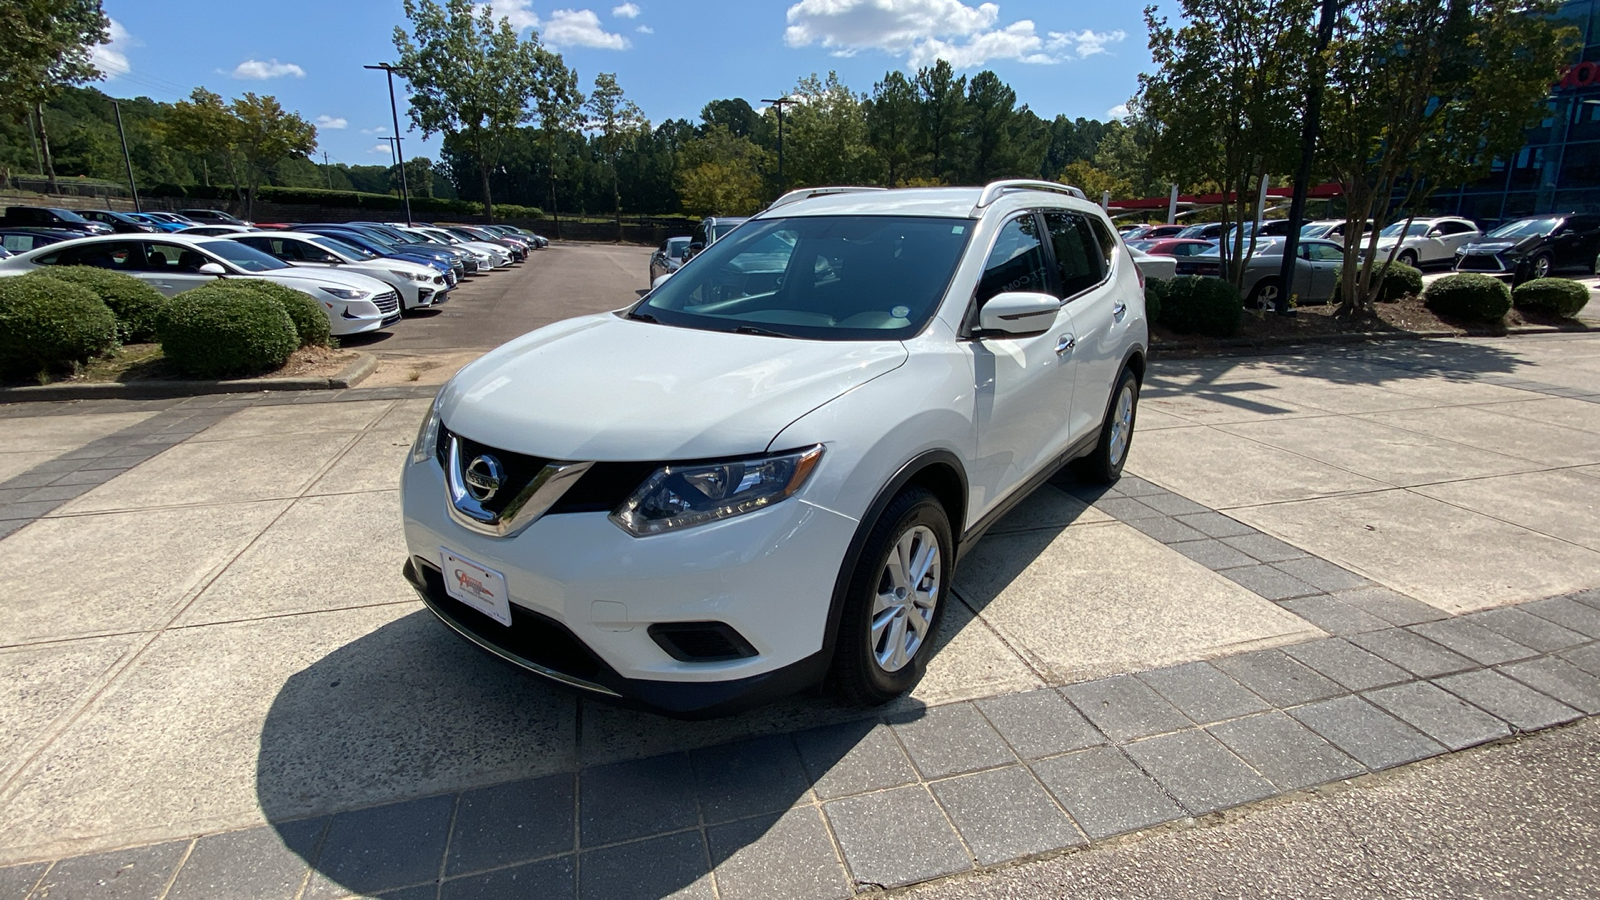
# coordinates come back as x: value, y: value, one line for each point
x: 480, y: 588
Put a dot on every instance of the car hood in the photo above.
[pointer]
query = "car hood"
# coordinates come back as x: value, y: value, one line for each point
x: 307, y: 278
x: 1494, y: 246
x: 606, y: 388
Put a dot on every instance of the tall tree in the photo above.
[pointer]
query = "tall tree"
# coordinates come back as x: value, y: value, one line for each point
x: 892, y: 125
x: 720, y: 174
x: 560, y: 107
x: 736, y: 115
x: 943, y: 107
x: 616, y: 121
x: 266, y: 135
x: 1225, y: 100
x: 827, y: 135
x: 1428, y: 93
x: 44, y: 46
x: 998, y: 136
x: 469, y: 76
x: 203, y: 127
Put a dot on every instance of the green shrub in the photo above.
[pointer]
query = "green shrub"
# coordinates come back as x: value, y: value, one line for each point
x: 46, y: 324
x: 1478, y: 298
x: 217, y: 330
x: 1556, y: 296
x: 136, y: 305
x: 1195, y: 304
x: 310, y: 320
x: 1399, y: 282
x: 1155, y: 291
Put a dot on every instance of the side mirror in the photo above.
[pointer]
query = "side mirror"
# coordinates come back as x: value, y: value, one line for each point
x: 212, y: 269
x: 1019, y: 313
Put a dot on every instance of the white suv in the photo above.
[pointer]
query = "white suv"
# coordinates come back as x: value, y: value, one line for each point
x: 764, y: 471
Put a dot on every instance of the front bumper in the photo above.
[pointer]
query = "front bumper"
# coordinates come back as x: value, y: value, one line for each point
x: 577, y: 580
x: 1502, y: 263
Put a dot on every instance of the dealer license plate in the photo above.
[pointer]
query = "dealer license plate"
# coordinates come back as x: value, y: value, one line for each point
x: 481, y: 588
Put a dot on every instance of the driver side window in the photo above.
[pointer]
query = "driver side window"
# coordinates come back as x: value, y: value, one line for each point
x: 1017, y: 262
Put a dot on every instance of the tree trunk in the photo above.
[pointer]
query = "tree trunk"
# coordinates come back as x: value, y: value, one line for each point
x: 488, y: 201
x: 44, y: 144
x: 616, y: 199
x: 555, y: 209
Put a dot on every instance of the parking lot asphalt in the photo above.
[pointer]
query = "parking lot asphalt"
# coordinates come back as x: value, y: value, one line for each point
x: 1318, y: 566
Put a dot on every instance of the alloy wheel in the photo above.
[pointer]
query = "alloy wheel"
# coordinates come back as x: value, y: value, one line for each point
x: 1121, y: 424
x: 907, y: 597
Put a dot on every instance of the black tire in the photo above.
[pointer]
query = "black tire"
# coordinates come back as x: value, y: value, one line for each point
x: 1104, y: 464
x: 1408, y: 258
x: 858, y: 677
x: 1540, y: 266
x: 1264, y: 294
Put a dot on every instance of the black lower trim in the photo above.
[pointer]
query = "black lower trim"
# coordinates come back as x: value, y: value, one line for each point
x: 542, y: 646
x: 1080, y: 447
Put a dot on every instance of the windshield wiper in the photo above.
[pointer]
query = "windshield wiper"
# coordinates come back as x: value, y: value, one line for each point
x: 643, y: 317
x: 764, y: 332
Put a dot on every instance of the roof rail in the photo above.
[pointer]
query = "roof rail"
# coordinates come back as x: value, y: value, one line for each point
x: 808, y: 193
x: 993, y: 190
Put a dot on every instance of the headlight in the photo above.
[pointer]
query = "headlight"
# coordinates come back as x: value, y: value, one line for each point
x: 683, y: 496
x: 407, y: 276
x: 427, y: 435
x: 345, y: 293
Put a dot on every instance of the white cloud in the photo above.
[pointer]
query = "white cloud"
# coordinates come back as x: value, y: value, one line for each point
x: 332, y: 123
x: 645, y: 29
x: 256, y: 70
x: 925, y: 30
x: 518, y: 12
x: 381, y: 148
x: 626, y: 11
x: 580, y: 28
x: 112, y: 58
x: 381, y: 129
x: 1120, y: 111
x: 1085, y: 43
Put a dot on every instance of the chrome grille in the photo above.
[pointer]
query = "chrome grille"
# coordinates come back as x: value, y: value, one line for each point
x: 1476, y: 263
x: 387, y: 302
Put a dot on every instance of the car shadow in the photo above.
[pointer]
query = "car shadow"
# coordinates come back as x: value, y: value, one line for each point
x: 379, y: 746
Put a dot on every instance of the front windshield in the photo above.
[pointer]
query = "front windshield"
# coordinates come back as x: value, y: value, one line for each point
x: 839, y: 278
x: 1416, y: 229
x: 342, y: 248
x: 247, y: 258
x: 1525, y: 228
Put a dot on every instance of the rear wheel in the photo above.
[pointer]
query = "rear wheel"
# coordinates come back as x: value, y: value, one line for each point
x: 1104, y: 464
x: 895, y: 601
x: 1265, y: 294
x: 1408, y: 257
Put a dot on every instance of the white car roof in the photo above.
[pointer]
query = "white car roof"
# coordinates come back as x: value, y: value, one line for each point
x: 938, y: 202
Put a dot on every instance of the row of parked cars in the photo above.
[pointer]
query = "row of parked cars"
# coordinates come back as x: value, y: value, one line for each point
x: 1522, y: 249
x: 364, y: 274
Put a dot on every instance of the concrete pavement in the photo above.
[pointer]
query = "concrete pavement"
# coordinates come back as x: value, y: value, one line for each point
x: 204, y: 613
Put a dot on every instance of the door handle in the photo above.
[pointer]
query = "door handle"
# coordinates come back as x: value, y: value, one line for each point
x: 1065, y: 344
x: 1119, y: 311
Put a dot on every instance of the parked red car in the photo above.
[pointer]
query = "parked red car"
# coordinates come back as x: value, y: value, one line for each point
x: 1179, y: 247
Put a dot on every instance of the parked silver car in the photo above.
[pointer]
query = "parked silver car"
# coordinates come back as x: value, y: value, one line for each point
x: 668, y: 257
x: 1316, y: 274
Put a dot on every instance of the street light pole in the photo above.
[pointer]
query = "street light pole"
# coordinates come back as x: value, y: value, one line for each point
x: 1309, y: 132
x: 126, y: 159
x: 394, y: 111
x: 779, y: 104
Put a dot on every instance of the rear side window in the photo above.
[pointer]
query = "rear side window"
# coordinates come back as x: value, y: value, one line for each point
x: 1078, y: 255
x: 1016, y: 263
x: 1107, y: 241
x: 120, y: 256
x: 21, y: 243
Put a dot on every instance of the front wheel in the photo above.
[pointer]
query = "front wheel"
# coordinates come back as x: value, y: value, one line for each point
x: 894, y: 601
x: 1104, y: 464
x: 1541, y: 266
x: 1407, y: 258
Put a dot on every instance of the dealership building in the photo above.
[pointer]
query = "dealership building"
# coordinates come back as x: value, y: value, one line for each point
x: 1559, y: 168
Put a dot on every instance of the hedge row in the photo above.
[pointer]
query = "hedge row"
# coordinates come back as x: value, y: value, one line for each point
x: 55, y: 319
x: 239, y: 327
x: 1554, y: 296
x: 348, y: 199
x: 1469, y: 295
x: 1194, y: 304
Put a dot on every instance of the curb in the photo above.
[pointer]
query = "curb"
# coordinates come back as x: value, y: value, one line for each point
x: 1246, y: 346
x: 356, y: 372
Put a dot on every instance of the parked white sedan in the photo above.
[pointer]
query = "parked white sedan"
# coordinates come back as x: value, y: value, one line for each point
x: 173, y: 263
x: 418, y: 285
x: 1427, y: 241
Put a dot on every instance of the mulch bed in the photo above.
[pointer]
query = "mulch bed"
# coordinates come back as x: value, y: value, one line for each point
x: 144, y: 362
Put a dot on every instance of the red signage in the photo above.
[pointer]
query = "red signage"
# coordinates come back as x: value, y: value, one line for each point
x: 1582, y: 75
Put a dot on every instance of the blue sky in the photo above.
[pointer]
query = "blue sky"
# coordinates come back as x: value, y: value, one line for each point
x: 671, y: 56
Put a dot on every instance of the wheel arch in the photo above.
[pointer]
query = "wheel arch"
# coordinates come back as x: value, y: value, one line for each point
x: 941, y: 473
